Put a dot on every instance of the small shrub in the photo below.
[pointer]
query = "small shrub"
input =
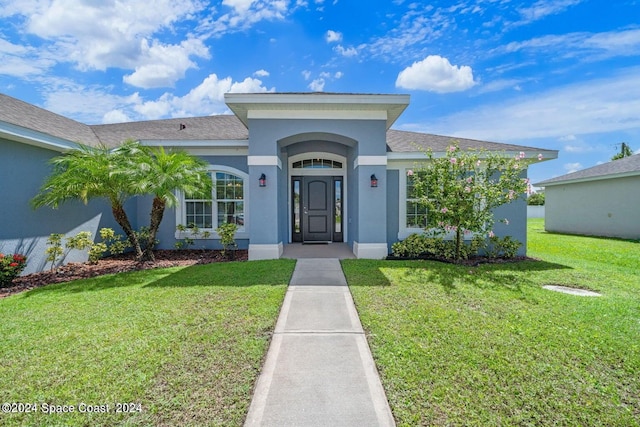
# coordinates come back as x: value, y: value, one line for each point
x: 111, y: 242
x: 227, y: 233
x: 54, y: 251
x: 436, y: 246
x: 80, y: 241
x: 143, y: 237
x: 11, y: 265
x: 505, y: 247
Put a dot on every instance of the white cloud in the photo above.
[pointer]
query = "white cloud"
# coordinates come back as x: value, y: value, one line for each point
x: 317, y: 85
x: 306, y: 74
x: 591, y: 106
x: 590, y: 46
x: 163, y: 65
x: 498, y: 85
x: 543, y: 8
x: 338, y: 74
x: 436, y: 74
x: 261, y: 73
x: 333, y: 36
x: 96, y: 105
x: 348, y: 52
x: 572, y: 167
x: 244, y: 14
x: 115, y: 116
x: 114, y: 34
x: 22, y: 61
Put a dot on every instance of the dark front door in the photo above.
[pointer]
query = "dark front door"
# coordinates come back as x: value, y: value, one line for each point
x: 317, y: 208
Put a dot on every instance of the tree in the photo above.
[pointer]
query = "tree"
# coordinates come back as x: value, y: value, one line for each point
x: 87, y: 173
x: 461, y: 189
x: 161, y: 173
x: 117, y: 175
x: 625, y: 151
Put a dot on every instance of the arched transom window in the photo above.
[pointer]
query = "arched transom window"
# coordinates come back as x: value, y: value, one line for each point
x: 317, y: 164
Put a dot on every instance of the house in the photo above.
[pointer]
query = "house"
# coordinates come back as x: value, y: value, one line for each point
x: 603, y: 200
x: 288, y: 167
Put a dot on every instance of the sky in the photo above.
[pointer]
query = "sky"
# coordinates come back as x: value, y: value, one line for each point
x: 552, y: 74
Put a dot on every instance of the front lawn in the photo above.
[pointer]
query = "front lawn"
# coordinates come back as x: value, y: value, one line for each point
x: 488, y: 346
x: 186, y: 344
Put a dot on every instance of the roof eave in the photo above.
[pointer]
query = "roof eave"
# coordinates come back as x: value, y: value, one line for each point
x: 241, y: 103
x: 551, y: 183
x: 37, y: 139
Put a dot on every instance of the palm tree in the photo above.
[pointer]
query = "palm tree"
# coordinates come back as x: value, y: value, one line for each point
x: 162, y: 173
x: 86, y: 173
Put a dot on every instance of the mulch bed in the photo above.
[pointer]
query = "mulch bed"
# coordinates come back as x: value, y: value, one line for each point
x: 119, y: 264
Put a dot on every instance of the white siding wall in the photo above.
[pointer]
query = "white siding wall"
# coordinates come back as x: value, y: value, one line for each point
x: 608, y: 207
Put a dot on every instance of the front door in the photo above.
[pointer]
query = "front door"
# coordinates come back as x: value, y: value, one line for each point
x: 317, y: 208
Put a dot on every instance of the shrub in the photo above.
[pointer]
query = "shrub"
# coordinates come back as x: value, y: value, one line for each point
x: 11, y: 265
x: 227, y: 233
x: 436, y: 246
x: 536, y: 199
x: 54, y: 251
x: 505, y: 247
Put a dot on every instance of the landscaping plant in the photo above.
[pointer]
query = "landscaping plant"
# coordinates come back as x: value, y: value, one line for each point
x: 227, y: 232
x: 117, y: 175
x: 11, y: 265
x: 461, y: 190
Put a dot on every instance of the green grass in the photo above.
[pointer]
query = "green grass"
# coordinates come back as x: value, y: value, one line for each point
x: 488, y: 346
x: 185, y: 343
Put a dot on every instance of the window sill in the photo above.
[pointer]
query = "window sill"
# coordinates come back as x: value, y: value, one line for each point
x: 179, y: 235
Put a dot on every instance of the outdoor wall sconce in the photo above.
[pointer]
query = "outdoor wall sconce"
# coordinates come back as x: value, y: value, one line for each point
x: 374, y: 180
x: 262, y: 180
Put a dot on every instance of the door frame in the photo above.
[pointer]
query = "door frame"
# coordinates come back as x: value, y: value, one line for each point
x: 342, y: 172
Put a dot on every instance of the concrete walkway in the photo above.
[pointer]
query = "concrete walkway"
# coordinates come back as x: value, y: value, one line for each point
x: 319, y: 370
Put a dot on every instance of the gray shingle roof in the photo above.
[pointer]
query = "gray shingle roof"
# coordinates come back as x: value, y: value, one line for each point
x: 224, y: 127
x: 403, y: 141
x: 626, y: 166
x: 29, y: 116
x: 207, y: 128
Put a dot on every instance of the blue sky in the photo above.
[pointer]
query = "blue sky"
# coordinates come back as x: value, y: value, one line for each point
x: 554, y: 74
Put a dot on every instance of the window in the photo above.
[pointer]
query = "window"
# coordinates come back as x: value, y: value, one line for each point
x: 416, y: 213
x: 317, y: 164
x: 226, y: 203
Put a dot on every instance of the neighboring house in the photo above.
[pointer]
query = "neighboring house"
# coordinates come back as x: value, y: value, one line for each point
x: 600, y: 201
x: 287, y: 167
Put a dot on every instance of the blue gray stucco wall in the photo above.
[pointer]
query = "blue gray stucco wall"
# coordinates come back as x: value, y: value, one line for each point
x: 23, y: 170
x: 393, y: 208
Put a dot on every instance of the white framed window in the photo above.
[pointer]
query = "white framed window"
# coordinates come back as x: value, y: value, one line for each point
x: 226, y: 204
x: 415, y: 216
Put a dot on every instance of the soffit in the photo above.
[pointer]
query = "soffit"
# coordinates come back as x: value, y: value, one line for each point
x: 391, y: 105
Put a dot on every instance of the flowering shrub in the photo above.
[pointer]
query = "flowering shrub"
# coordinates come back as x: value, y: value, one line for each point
x: 461, y: 189
x: 10, y: 267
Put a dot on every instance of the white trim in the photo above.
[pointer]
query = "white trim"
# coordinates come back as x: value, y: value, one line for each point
x: 214, y: 151
x: 318, y: 114
x: 588, y: 179
x: 265, y: 251
x: 202, y: 143
x: 264, y: 161
x: 318, y: 172
x: 243, y: 232
x: 32, y: 137
x: 370, y: 250
x: 531, y: 155
x: 370, y: 161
